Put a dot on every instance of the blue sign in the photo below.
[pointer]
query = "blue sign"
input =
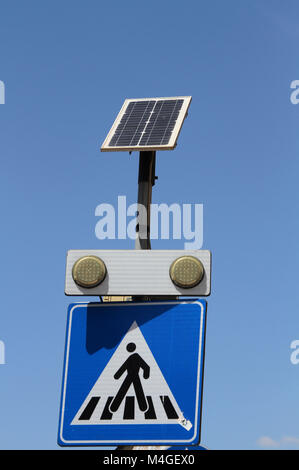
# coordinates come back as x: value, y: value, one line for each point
x: 133, y: 373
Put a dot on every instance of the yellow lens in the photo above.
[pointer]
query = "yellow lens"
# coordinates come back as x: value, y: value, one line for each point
x: 89, y: 271
x: 186, y: 272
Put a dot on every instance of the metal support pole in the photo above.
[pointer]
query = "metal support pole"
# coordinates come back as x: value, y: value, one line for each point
x: 146, y: 180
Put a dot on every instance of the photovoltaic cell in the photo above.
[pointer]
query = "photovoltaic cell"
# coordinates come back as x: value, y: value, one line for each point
x: 147, y: 123
x: 131, y: 127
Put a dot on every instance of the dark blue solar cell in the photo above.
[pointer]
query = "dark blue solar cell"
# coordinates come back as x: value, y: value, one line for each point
x: 147, y: 123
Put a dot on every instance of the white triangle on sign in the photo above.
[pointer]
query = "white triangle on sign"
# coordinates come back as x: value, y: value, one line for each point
x: 145, y: 396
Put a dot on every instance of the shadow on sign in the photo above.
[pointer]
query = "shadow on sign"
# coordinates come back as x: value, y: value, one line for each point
x: 101, y: 322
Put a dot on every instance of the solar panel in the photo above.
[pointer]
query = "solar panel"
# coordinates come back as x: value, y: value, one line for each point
x: 147, y: 124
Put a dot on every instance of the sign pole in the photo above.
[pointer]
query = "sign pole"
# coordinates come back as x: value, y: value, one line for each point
x: 146, y: 180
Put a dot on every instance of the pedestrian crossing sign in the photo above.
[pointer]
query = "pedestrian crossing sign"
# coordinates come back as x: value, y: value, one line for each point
x: 133, y: 373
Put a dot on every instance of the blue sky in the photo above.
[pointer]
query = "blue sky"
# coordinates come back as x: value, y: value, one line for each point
x: 67, y: 67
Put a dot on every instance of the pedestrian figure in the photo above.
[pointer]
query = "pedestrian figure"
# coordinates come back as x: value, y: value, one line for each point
x: 132, y: 366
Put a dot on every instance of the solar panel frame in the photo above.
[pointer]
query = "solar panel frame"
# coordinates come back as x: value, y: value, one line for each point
x: 171, y: 144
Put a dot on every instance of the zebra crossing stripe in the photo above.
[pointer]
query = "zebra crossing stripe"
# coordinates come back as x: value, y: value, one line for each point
x: 129, y: 409
x: 107, y: 413
x: 88, y: 411
x: 150, y: 413
x: 168, y: 407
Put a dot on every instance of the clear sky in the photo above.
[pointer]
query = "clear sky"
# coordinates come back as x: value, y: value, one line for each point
x: 67, y: 68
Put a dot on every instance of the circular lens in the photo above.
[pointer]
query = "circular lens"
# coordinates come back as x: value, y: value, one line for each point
x: 186, y: 272
x: 89, y: 271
